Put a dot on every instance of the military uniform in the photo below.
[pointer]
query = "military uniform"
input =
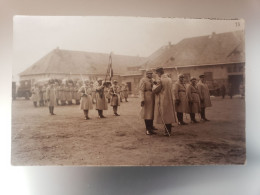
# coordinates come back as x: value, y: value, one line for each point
x: 164, y: 110
x: 181, y: 100
x: 124, y: 91
x: 115, y: 97
x: 194, y: 100
x: 51, y: 97
x: 35, y: 95
x: 101, y: 103
x: 204, y: 97
x: 86, y: 100
x: 147, y: 102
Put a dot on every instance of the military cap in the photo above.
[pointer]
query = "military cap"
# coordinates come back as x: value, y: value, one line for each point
x: 202, y: 76
x: 149, y: 72
x: 192, y: 78
x: 159, y: 69
x: 181, y: 76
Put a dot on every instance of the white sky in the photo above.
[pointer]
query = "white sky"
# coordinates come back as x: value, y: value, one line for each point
x: 35, y: 36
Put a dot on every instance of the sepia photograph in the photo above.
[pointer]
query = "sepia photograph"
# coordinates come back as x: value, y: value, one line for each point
x: 128, y: 91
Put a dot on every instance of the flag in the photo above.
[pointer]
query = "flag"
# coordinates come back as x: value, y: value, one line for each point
x: 110, y: 70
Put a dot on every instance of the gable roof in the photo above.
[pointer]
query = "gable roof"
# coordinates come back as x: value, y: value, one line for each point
x: 78, y: 62
x: 220, y: 48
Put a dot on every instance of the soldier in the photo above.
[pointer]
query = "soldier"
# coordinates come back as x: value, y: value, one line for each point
x: 181, y: 99
x: 51, y: 96
x: 41, y: 96
x: 86, y: 100
x: 101, y: 103
x: 70, y: 85
x: 124, y: 91
x: 164, y: 110
x: 56, y: 86
x: 194, y: 99
x: 35, y: 95
x: 62, y: 94
x: 77, y: 95
x: 147, y: 102
x: 114, y: 92
x: 93, y: 92
x: 204, y: 96
x: 107, y: 91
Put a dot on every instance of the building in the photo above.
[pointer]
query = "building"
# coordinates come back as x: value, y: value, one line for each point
x: 221, y: 57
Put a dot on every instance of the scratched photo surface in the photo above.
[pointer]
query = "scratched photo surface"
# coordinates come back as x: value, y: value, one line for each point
x: 128, y: 91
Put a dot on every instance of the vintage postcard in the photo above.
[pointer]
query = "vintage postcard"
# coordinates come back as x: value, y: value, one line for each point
x: 128, y: 91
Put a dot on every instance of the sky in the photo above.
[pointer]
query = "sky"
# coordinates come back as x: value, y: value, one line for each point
x: 36, y: 36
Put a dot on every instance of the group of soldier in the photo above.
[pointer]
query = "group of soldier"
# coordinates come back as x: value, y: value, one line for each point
x: 166, y: 102
x: 85, y: 93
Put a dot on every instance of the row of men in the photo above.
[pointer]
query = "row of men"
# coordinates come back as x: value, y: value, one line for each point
x: 86, y: 97
x: 161, y: 100
x: 67, y: 94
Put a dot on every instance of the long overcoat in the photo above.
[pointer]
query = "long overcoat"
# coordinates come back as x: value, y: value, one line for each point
x: 35, y: 94
x: 51, y: 96
x: 101, y: 103
x: 124, y: 91
x: 164, y: 109
x: 86, y: 99
x: 181, y: 95
x: 204, y: 94
x: 115, y: 95
x: 194, y: 98
x: 145, y: 87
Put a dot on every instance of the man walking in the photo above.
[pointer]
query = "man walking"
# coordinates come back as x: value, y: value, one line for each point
x: 181, y: 99
x: 204, y: 96
x: 164, y: 110
x: 147, y: 101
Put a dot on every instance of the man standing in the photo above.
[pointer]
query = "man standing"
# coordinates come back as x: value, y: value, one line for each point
x: 115, y: 97
x: 194, y: 99
x: 124, y: 91
x: 204, y: 96
x: 147, y: 102
x: 181, y: 99
x: 101, y: 103
x: 51, y: 96
x: 164, y: 110
x: 86, y: 100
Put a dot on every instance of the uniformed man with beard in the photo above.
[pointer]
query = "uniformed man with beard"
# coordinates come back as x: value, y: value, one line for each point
x: 86, y: 100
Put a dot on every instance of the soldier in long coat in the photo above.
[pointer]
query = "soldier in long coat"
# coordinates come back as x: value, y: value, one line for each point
x: 35, y: 95
x: 124, y: 91
x: 164, y: 110
x: 204, y: 96
x: 101, y: 103
x: 86, y: 99
x: 51, y: 97
x: 147, y: 102
x: 115, y: 97
x: 194, y: 99
x: 181, y: 99
x: 93, y: 92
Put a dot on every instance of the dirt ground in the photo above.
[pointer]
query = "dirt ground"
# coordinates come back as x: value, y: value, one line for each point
x: 67, y: 139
